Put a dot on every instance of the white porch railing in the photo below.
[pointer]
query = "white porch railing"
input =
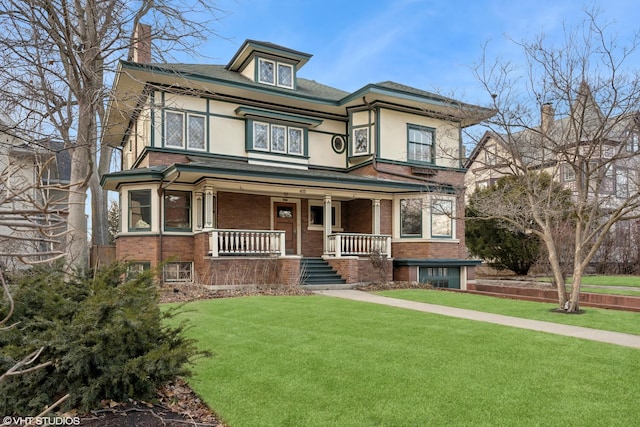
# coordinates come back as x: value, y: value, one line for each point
x: 355, y: 244
x: 246, y: 242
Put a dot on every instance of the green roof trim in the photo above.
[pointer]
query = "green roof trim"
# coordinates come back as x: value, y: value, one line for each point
x: 434, y: 262
x: 274, y: 115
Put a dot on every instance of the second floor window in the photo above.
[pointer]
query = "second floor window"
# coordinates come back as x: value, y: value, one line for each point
x: 184, y: 130
x: 278, y: 138
x: 420, y: 144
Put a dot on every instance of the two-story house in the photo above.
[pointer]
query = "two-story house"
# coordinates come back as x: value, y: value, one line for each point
x: 34, y: 177
x: 247, y: 172
x: 593, y: 154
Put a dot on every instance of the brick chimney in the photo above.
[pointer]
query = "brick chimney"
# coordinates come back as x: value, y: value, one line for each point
x: 546, y: 117
x: 141, y: 44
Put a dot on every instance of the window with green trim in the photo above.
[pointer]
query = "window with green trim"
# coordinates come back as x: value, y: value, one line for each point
x: 177, y: 210
x: 140, y: 210
x: 275, y: 73
x: 278, y: 138
x: 184, y: 130
x: 420, y: 145
x: 411, y: 217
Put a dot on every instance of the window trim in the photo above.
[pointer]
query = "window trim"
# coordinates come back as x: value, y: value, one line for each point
x: 130, y: 274
x: 367, y: 138
x: 276, y: 72
x: 186, y: 133
x: 432, y: 151
x: 259, y: 71
x: 450, y: 216
x: 131, y: 227
x: 335, y: 207
x: 419, y: 235
x: 189, y: 207
x: 178, y: 265
x: 166, y: 129
x: 269, y: 135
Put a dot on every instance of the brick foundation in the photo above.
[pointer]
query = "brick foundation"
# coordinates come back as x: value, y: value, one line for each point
x: 362, y: 270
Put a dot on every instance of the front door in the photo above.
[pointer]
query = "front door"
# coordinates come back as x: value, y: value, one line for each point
x: 286, y: 220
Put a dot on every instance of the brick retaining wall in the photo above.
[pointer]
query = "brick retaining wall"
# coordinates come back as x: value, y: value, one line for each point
x: 619, y: 302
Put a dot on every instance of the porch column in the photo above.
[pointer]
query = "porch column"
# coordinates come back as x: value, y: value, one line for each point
x: 375, y: 227
x: 198, y: 210
x: 326, y: 223
x: 208, y: 207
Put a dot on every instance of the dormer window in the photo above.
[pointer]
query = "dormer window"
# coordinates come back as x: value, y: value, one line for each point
x: 275, y: 73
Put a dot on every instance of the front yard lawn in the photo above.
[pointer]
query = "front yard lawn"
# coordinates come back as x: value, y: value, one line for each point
x: 598, y: 318
x: 321, y: 361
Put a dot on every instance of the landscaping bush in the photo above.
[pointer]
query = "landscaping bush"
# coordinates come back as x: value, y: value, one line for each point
x: 105, y: 336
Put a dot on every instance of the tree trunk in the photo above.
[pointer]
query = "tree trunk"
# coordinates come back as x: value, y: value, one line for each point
x: 77, y: 249
x: 556, y: 269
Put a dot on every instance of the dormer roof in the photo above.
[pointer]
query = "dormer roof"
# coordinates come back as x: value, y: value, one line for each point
x: 252, y: 47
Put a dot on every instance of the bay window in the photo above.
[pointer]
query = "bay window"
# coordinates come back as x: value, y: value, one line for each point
x: 177, y: 210
x: 139, y: 210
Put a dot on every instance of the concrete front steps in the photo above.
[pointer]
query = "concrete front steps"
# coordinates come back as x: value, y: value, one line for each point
x: 318, y: 275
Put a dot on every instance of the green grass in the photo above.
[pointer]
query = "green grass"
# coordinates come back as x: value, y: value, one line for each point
x: 320, y: 361
x: 598, y: 318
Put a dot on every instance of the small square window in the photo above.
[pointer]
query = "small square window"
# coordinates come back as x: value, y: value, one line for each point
x: 136, y: 268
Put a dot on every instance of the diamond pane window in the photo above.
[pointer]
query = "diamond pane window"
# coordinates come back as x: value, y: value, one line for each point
x: 174, y: 129
x: 266, y: 72
x: 285, y: 75
x: 261, y: 136
x: 278, y: 138
x: 295, y: 141
x: 196, y: 132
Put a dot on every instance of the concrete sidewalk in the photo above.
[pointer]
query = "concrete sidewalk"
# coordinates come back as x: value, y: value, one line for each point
x: 617, y: 338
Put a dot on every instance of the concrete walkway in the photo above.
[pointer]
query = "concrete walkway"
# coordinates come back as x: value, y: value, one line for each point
x: 617, y: 338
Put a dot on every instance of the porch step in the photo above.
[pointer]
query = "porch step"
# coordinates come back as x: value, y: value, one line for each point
x: 318, y: 272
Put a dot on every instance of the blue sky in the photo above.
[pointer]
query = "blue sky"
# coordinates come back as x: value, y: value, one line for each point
x: 427, y: 44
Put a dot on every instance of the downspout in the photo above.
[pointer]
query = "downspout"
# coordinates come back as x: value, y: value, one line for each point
x: 160, y: 225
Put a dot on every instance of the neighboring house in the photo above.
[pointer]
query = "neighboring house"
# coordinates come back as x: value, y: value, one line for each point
x: 610, y: 158
x: 234, y: 173
x: 33, y: 199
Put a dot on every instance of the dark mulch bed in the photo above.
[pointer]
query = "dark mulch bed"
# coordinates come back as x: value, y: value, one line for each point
x: 177, y: 405
x: 192, y: 292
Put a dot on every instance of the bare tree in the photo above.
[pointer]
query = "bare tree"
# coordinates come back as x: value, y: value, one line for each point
x: 60, y: 57
x: 572, y: 113
x: 33, y: 206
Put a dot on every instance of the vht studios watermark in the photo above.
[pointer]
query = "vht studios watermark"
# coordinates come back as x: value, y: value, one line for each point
x: 40, y: 421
